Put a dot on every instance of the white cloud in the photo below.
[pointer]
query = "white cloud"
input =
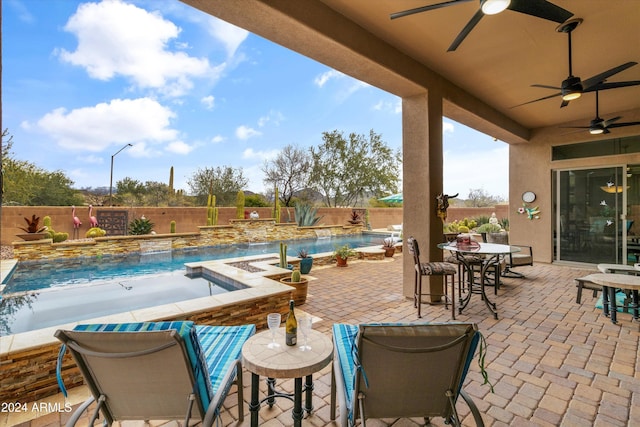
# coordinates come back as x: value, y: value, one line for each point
x: 250, y: 153
x: 21, y: 10
x: 91, y: 159
x: 230, y: 35
x: 392, y: 107
x: 104, y: 30
x: 217, y: 139
x: 274, y: 117
x: 447, y: 127
x: 245, y: 132
x: 323, y: 78
x: 119, y: 122
x: 179, y: 147
x: 208, y: 102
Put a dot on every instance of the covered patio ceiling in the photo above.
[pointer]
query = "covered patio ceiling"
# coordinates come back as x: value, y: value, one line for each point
x: 490, y: 72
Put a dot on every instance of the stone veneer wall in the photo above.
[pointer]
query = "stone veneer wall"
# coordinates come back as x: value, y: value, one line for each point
x: 240, y: 231
x: 30, y: 374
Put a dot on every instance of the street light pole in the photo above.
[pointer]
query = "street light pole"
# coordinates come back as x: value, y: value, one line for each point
x: 111, y: 179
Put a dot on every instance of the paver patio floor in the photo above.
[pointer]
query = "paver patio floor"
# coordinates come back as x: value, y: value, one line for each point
x: 552, y: 362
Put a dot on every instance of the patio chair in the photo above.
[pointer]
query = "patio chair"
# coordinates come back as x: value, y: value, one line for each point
x: 517, y: 259
x: 438, y: 268
x: 156, y: 371
x: 402, y: 370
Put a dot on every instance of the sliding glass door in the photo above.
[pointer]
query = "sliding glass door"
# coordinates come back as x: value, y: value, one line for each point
x: 590, y: 207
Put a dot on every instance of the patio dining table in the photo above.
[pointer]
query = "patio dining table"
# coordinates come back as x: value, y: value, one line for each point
x: 487, y: 254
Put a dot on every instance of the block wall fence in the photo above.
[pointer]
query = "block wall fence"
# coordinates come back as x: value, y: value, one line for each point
x: 189, y: 219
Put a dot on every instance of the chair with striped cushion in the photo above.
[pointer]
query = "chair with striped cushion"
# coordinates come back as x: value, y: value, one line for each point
x: 156, y: 370
x: 402, y: 371
x: 437, y: 268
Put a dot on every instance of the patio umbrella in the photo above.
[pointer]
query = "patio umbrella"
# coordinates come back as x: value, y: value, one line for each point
x: 394, y: 198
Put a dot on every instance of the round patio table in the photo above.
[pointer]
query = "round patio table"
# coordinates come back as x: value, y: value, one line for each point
x: 285, y: 362
x: 488, y: 254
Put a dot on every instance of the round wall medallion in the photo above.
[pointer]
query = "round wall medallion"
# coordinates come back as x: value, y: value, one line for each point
x: 528, y: 196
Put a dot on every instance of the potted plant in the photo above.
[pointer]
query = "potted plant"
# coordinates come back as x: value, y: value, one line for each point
x: 487, y: 228
x: 342, y: 253
x: 389, y: 246
x: 33, y: 230
x: 301, y: 285
x: 306, y: 261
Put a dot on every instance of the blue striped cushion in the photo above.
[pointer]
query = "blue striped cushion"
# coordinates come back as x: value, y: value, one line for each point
x: 344, y: 343
x: 221, y: 346
x: 188, y: 334
x: 211, y: 349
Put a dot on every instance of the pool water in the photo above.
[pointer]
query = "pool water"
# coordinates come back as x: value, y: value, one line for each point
x: 31, y: 276
x: 42, y: 294
x: 27, y: 311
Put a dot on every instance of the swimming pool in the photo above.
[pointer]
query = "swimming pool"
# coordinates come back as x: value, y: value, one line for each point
x: 41, y: 294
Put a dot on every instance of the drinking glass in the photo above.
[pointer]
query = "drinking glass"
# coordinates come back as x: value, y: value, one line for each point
x: 273, y: 321
x: 305, y: 324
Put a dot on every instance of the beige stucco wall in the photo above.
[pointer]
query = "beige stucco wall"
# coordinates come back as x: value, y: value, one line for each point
x: 530, y: 169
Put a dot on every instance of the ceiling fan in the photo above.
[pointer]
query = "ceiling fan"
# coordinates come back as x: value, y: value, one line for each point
x: 540, y: 8
x: 598, y: 125
x: 572, y: 87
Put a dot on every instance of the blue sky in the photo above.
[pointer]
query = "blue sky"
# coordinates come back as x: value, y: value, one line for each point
x: 81, y: 79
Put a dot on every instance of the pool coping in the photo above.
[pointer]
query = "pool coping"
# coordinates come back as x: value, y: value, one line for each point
x: 258, y: 285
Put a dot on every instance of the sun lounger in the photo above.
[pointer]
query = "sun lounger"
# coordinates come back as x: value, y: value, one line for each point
x: 158, y: 370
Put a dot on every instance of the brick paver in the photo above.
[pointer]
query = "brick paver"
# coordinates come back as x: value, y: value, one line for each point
x: 552, y: 361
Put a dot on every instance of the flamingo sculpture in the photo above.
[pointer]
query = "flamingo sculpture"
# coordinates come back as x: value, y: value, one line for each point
x: 76, y: 221
x: 92, y: 219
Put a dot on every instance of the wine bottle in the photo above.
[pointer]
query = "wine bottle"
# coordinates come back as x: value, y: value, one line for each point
x: 291, y: 326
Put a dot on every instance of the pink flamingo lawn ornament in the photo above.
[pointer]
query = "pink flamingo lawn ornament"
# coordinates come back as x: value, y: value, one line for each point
x: 92, y: 219
x: 76, y: 221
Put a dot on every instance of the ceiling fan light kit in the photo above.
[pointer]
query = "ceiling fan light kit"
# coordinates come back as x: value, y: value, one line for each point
x: 492, y: 7
x: 571, y: 88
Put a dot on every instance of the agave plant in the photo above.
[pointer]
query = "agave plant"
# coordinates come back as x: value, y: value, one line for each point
x: 33, y: 225
x: 140, y: 226
x: 306, y: 215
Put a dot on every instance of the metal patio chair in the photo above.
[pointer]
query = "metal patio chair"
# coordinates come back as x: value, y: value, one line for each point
x: 402, y: 370
x: 156, y: 371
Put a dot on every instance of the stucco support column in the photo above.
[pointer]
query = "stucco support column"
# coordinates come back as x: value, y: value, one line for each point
x: 422, y: 182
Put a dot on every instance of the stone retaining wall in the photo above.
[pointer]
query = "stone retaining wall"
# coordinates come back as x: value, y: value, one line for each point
x: 239, y: 231
x: 30, y: 374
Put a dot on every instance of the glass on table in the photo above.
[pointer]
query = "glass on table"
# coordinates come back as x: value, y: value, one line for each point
x: 305, y: 324
x: 273, y: 322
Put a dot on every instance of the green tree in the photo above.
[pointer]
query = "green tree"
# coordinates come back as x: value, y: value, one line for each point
x: 130, y: 192
x: 156, y: 193
x: 24, y: 183
x: 222, y: 181
x: 346, y: 170
x: 255, y: 201
x: 289, y: 171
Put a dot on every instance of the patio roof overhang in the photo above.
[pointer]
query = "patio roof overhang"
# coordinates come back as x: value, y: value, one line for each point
x: 489, y: 73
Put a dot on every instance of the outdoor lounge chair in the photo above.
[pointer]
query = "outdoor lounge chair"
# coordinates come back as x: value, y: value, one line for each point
x: 401, y: 370
x: 156, y: 371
